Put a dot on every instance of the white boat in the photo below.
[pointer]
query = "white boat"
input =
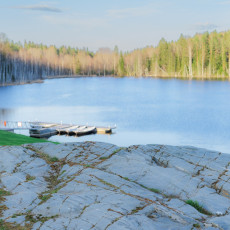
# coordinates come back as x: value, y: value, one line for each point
x: 82, y: 130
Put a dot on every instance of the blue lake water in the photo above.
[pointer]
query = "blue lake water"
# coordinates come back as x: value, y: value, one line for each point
x: 146, y: 111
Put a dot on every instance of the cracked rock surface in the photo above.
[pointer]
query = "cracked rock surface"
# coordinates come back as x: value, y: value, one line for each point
x: 95, y: 185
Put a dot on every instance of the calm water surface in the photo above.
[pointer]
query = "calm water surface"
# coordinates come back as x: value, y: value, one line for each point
x: 146, y: 111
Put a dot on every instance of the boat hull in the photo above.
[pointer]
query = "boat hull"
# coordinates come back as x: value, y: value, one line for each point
x: 42, y: 132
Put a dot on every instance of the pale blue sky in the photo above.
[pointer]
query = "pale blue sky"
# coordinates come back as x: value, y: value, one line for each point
x: 129, y: 24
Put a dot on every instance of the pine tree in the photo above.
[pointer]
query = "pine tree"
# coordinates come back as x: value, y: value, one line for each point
x: 121, y: 66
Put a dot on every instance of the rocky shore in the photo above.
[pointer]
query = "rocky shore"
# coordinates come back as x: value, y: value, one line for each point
x: 94, y: 185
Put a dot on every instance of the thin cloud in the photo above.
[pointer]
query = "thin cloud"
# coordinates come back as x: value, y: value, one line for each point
x: 74, y: 21
x: 130, y: 12
x: 206, y: 27
x: 40, y: 8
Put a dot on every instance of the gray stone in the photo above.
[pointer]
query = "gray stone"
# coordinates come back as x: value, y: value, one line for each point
x: 102, y: 186
x: 221, y: 222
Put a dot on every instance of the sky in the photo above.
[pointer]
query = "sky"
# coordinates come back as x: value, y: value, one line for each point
x: 129, y: 24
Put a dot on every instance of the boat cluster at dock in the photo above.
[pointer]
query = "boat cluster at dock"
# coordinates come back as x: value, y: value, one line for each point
x: 44, y: 130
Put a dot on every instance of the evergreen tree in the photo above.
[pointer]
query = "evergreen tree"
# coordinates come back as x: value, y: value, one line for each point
x: 121, y: 66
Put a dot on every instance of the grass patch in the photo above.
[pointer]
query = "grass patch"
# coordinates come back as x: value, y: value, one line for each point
x: 196, y: 225
x: 137, y: 209
x: 154, y: 190
x: 8, y: 138
x: 38, y: 218
x: 53, y: 159
x: 104, y: 158
x: 2, y: 209
x: 87, y: 166
x: 55, y: 190
x: 47, y: 196
x: 126, y: 178
x: 116, y: 151
x: 62, y: 172
x: 30, y: 220
x: 151, y: 189
x: 44, y: 198
x: 10, y: 226
x: 2, y: 225
x: 3, y: 193
x: 30, y: 178
x: 198, y: 207
x: 113, y: 153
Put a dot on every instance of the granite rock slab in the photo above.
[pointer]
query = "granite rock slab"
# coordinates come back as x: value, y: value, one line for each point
x: 94, y: 185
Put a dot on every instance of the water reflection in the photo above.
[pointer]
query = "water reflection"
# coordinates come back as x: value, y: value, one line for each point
x: 6, y: 114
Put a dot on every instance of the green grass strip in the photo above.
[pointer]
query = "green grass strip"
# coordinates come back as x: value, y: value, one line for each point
x: 198, y: 207
x: 8, y: 138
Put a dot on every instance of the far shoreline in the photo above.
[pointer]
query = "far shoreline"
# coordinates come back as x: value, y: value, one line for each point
x: 226, y: 79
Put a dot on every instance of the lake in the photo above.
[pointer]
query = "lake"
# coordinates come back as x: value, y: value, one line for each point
x: 145, y: 110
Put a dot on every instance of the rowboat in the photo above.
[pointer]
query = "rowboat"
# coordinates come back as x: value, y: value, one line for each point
x: 40, y: 132
x: 82, y: 130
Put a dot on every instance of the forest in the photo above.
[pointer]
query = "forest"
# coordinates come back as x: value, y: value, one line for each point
x: 203, y: 56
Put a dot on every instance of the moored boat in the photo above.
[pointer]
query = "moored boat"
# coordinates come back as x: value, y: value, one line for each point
x: 83, y: 130
x: 40, y: 132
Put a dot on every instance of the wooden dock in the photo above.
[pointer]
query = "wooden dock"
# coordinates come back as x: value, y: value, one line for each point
x: 45, y: 130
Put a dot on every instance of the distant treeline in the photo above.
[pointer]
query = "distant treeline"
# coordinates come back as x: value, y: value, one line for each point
x: 204, y: 56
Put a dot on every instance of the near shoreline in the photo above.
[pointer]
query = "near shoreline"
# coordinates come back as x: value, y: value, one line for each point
x: 102, y: 186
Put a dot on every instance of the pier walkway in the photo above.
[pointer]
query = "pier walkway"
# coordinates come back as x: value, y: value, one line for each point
x: 47, y: 129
